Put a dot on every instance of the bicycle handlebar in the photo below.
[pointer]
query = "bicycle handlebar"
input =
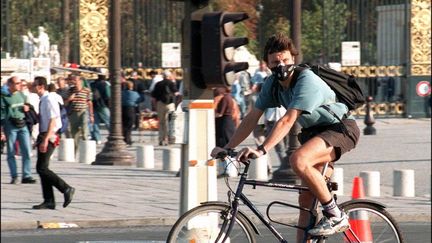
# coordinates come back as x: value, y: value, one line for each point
x: 224, y: 154
x: 233, y: 153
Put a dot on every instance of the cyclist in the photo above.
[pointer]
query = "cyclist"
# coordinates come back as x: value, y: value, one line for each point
x: 324, y: 138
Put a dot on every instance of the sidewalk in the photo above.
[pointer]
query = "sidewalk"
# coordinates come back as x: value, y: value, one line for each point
x: 110, y: 196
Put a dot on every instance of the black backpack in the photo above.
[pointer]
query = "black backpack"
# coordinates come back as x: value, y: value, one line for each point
x: 345, y: 86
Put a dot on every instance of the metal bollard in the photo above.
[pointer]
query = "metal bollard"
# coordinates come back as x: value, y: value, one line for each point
x: 171, y: 159
x: 87, y: 151
x: 372, y: 183
x: 338, y: 178
x: 369, y: 119
x: 145, y: 156
x: 403, y: 183
x: 66, y: 150
x: 258, y: 169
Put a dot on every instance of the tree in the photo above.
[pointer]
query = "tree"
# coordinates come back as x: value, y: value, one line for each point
x: 323, y: 30
x: 246, y: 28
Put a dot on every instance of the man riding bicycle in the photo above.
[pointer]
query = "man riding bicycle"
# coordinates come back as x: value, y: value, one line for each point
x: 324, y: 138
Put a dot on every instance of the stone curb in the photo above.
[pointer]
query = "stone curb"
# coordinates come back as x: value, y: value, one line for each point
x: 159, y: 221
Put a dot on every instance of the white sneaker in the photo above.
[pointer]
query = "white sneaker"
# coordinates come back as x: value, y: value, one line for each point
x: 329, y: 226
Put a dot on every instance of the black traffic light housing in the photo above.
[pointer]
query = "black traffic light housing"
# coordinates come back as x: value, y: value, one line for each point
x: 217, y: 48
x: 196, y: 64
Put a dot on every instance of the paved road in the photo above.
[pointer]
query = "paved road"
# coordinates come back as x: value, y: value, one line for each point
x: 115, y: 196
x: 416, y: 232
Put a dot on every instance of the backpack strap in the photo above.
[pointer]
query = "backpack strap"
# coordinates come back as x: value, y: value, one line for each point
x: 297, y: 70
x: 275, y: 90
x: 340, y: 120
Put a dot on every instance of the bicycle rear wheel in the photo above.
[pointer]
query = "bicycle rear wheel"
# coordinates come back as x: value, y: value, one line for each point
x: 369, y: 222
x: 204, y: 224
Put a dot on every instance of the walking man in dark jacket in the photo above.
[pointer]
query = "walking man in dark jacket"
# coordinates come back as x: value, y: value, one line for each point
x: 165, y: 93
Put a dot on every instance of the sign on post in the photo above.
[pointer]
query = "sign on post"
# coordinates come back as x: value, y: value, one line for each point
x: 16, y: 67
x: 350, y: 53
x: 423, y: 88
x: 171, y: 55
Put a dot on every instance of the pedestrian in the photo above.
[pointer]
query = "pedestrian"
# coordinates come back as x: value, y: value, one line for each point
x: 271, y: 116
x: 324, y: 138
x: 164, y: 93
x: 14, y: 127
x: 62, y: 88
x: 101, y: 90
x: 48, y: 140
x: 239, y: 98
x: 224, y: 116
x: 4, y: 89
x: 78, y: 101
x: 130, y: 100
x: 261, y: 73
x: 155, y: 78
x: 139, y: 87
x: 258, y: 132
x: 53, y: 92
x: 32, y: 100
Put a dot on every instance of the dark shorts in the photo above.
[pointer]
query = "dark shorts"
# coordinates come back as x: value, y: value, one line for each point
x: 342, y: 138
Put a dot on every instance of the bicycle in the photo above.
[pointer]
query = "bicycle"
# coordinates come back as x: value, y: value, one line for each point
x: 217, y: 221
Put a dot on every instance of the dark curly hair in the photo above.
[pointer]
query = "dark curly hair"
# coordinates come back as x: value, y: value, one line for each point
x: 279, y: 43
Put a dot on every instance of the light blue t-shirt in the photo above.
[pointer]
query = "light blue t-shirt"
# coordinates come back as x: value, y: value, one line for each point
x: 308, y: 95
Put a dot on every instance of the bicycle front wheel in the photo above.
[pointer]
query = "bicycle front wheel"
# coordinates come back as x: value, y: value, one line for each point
x: 369, y: 222
x: 204, y: 224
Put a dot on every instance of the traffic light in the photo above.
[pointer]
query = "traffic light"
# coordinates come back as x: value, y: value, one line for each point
x: 218, y: 45
x: 195, y: 68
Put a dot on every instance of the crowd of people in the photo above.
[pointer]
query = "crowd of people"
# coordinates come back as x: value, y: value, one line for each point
x: 36, y: 114
x: 86, y: 104
x: 87, y: 107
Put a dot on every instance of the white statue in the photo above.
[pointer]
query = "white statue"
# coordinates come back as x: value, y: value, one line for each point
x: 54, y: 55
x: 28, y: 48
x: 42, y: 42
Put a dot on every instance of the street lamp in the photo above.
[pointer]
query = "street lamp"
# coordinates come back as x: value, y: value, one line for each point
x: 285, y: 173
x: 114, y: 151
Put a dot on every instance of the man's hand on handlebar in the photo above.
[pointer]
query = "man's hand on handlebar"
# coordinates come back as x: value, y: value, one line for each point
x: 243, y: 155
x: 248, y: 153
x: 217, y: 152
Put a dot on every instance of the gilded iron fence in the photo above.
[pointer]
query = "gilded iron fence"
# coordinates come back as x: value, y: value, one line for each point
x: 382, y: 29
x: 145, y: 25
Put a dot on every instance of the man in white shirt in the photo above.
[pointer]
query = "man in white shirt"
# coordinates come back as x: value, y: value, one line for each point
x: 48, y: 139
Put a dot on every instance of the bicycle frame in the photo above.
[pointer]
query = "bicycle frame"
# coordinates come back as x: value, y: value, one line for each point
x: 240, y: 196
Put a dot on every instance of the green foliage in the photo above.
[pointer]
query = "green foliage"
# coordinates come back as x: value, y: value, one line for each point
x: 323, y: 30
x: 246, y: 28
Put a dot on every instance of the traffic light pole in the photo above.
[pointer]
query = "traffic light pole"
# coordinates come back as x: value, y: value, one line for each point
x: 198, y: 176
x: 208, y: 51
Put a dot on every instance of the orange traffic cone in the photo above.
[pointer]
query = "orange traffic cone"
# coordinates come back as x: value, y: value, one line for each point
x: 359, y: 220
x: 358, y: 190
